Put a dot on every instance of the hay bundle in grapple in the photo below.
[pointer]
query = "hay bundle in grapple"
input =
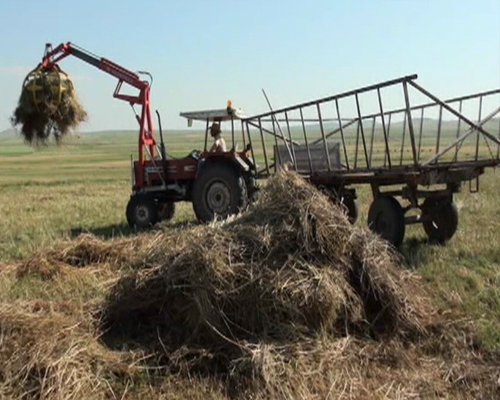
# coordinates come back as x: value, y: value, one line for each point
x: 48, y: 105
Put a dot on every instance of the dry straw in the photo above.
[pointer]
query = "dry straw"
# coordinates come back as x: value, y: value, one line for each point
x: 287, y: 300
x: 290, y: 267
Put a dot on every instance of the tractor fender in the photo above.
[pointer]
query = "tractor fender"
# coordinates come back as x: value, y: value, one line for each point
x: 234, y: 161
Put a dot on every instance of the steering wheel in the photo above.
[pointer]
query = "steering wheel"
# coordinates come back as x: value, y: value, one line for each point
x: 196, y: 154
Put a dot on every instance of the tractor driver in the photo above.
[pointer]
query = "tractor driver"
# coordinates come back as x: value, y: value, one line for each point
x: 219, y: 145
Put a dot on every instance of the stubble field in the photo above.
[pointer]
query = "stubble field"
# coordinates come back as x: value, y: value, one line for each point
x: 51, y: 195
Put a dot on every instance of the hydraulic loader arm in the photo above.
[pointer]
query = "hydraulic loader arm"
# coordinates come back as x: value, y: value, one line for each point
x: 146, y: 135
x: 52, y: 56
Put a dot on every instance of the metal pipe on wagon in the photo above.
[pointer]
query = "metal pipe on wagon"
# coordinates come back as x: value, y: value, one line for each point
x: 455, y: 158
x: 305, y: 140
x: 387, y: 141
x: 372, y: 137
x: 342, y: 134
x: 403, y: 140
x: 290, y: 137
x: 362, y: 130
x: 420, y: 132
x: 264, y: 150
x: 410, y: 121
x: 456, y: 113
x: 439, y: 128
x: 386, y: 132
x: 279, y: 128
x: 325, y: 144
x: 479, y: 119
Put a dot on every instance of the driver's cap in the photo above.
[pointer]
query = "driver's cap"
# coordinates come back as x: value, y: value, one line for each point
x: 215, y: 128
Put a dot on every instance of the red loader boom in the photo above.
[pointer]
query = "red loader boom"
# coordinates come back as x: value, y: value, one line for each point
x: 146, y: 133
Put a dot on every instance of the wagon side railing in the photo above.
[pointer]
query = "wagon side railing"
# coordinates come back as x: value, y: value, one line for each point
x: 388, y: 126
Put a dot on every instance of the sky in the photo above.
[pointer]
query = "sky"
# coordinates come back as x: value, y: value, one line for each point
x: 203, y: 52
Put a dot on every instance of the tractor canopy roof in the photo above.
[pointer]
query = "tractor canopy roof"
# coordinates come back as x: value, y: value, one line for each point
x: 225, y: 114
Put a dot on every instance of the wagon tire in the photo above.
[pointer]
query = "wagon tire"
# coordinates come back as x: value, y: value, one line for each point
x: 142, y: 212
x: 348, y: 202
x: 352, y: 209
x: 440, y: 219
x: 219, y: 191
x: 386, y: 218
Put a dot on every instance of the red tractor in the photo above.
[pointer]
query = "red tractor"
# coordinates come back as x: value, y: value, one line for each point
x: 217, y: 183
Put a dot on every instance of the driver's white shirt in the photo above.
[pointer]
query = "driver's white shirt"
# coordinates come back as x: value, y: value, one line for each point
x: 219, y: 146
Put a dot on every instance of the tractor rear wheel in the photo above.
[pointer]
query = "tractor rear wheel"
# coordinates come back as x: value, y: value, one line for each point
x: 219, y: 191
x: 440, y: 219
x: 142, y: 211
x: 386, y: 218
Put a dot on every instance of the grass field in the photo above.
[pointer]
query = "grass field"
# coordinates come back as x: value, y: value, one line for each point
x: 54, y: 193
x: 51, y: 194
x: 83, y: 185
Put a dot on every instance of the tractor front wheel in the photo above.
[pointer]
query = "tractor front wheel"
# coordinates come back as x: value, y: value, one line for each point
x: 219, y: 191
x: 142, y: 212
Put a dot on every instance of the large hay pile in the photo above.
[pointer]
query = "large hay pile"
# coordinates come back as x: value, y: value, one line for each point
x: 48, y: 105
x: 292, y: 267
x: 285, y: 301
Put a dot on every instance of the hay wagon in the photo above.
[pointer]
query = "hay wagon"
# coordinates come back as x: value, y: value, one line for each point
x: 395, y: 136
x: 413, y: 149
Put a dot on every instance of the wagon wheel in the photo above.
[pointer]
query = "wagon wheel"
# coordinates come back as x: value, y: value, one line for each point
x: 386, y: 218
x: 352, y: 208
x: 440, y: 219
x: 348, y: 202
x: 142, y: 212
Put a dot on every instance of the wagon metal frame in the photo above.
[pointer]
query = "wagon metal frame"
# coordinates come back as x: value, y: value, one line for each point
x: 365, y: 149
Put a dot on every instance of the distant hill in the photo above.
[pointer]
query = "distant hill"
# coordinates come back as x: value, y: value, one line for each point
x: 429, y: 125
x: 7, y: 132
x: 197, y: 133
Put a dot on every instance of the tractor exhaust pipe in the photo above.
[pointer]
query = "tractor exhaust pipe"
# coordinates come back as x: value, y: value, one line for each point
x: 162, y: 143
